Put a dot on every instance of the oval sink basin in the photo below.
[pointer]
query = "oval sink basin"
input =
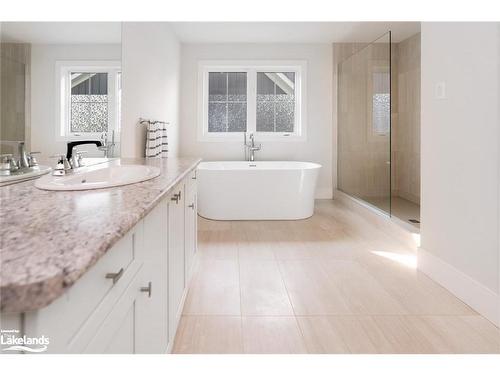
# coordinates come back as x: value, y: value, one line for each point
x: 115, y: 175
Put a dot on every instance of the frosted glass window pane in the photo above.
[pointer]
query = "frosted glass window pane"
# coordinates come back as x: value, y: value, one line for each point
x: 265, y: 116
x: 275, y: 101
x: 237, y: 87
x: 98, y: 119
x: 217, y: 117
x: 381, y: 113
x: 285, y: 116
x: 217, y: 87
x: 89, y: 102
x: 381, y: 102
x: 227, y: 102
x: 237, y: 117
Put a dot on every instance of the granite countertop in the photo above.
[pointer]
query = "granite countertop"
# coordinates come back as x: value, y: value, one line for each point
x: 49, y: 239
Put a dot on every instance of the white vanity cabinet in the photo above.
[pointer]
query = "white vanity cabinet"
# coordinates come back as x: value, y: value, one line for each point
x: 74, y: 322
x: 131, y: 300
x: 175, y: 257
x: 191, y: 224
x: 152, y: 317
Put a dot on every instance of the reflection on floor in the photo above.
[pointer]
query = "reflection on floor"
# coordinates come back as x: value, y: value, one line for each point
x: 333, y: 283
x: 401, y: 208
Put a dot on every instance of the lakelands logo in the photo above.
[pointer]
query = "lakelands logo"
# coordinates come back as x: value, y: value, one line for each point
x: 14, y: 342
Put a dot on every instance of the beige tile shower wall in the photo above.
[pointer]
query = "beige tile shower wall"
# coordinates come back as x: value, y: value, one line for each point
x: 405, y: 147
x: 363, y: 155
x: 341, y: 51
x: 405, y: 126
x: 15, y: 91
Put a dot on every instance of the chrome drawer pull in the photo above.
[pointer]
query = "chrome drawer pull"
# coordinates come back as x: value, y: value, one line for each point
x: 191, y: 206
x: 115, y: 276
x: 147, y: 289
x: 176, y: 198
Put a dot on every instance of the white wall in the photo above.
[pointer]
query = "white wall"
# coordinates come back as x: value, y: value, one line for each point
x: 43, y: 91
x: 150, y: 63
x: 317, y: 148
x: 460, y: 160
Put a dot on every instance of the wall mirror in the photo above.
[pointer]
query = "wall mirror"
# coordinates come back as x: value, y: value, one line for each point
x: 60, y: 84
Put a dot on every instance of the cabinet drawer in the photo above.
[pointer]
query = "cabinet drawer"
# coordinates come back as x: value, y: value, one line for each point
x: 116, y: 327
x: 63, y: 318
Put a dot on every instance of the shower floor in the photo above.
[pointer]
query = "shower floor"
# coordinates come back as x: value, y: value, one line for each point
x: 405, y: 210
x: 401, y: 208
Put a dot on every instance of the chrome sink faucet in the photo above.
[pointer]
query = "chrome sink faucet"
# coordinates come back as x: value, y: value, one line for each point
x: 9, y: 165
x: 108, y: 145
x: 23, y: 156
x: 251, y: 147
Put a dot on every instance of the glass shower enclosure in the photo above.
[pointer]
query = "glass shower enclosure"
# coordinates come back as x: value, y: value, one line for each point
x: 364, y: 124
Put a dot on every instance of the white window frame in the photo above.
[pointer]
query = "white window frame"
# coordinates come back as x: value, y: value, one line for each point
x: 251, y: 67
x: 63, y: 96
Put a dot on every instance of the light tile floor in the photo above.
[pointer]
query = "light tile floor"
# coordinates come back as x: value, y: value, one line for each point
x: 333, y: 283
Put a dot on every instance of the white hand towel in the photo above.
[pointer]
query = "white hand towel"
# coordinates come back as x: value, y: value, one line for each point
x: 156, y: 139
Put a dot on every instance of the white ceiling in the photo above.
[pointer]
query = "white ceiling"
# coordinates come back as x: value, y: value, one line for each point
x: 211, y: 32
x: 61, y: 32
x: 291, y: 32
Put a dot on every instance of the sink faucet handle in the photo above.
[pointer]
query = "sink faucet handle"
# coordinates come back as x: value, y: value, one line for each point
x: 5, y: 157
x: 62, y: 162
x: 104, y: 138
x: 32, y: 159
x: 79, y: 156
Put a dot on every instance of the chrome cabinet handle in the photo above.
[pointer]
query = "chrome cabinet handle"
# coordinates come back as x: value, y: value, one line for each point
x: 191, y: 206
x: 176, y: 197
x: 147, y: 289
x: 115, y: 276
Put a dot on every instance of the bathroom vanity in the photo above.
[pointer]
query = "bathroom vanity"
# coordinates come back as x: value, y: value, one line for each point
x: 100, y: 271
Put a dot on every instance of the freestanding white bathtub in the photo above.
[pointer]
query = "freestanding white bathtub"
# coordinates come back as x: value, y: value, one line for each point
x: 261, y: 190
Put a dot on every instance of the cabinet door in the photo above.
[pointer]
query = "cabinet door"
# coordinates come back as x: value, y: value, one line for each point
x: 152, y: 311
x: 191, y: 227
x: 117, y: 333
x: 175, y: 257
x: 73, y: 320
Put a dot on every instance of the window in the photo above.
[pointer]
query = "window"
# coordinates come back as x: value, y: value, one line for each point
x: 227, y: 102
x: 263, y: 98
x: 89, y: 102
x: 275, y: 101
x: 89, y: 95
x: 380, y: 102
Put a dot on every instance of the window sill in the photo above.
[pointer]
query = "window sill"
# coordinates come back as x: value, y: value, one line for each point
x: 258, y: 138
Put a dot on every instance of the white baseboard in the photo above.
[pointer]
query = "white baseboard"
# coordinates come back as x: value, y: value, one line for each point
x: 324, y: 193
x: 480, y: 298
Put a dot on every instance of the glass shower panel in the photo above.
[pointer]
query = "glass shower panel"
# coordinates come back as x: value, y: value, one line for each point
x: 364, y: 124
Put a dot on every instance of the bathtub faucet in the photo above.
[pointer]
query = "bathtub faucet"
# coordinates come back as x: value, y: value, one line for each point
x: 251, y: 147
